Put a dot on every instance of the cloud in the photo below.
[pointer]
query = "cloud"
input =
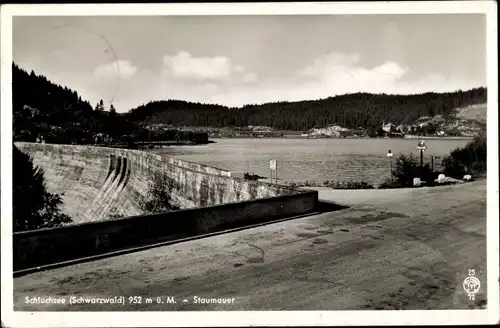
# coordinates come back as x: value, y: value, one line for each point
x: 121, y: 68
x: 184, y: 67
x: 337, y: 73
x: 330, y: 62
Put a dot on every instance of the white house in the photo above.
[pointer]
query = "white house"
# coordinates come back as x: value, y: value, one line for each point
x: 387, y: 127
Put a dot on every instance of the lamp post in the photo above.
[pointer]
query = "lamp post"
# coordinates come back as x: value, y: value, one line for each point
x: 421, y: 146
x: 390, y: 154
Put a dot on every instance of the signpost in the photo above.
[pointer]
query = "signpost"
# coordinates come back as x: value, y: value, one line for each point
x: 421, y: 146
x: 390, y: 155
x: 432, y: 162
x: 273, y: 166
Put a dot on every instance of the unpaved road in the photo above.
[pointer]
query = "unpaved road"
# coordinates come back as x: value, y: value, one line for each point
x: 398, y: 249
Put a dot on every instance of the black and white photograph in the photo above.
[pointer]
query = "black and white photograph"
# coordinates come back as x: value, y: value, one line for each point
x: 298, y: 157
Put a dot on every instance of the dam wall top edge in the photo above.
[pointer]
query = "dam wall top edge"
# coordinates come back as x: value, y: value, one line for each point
x: 111, y: 150
x: 183, y: 164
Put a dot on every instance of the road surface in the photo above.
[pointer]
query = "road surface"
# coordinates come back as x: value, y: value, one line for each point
x: 393, y: 249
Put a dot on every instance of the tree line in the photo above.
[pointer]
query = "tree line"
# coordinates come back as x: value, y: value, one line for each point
x: 358, y: 110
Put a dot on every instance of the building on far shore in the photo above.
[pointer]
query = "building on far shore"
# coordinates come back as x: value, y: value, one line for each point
x: 387, y: 127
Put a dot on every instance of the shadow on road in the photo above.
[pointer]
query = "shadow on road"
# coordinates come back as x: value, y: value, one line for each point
x: 325, y: 206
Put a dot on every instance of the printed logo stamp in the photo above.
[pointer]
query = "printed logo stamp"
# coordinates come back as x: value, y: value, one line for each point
x: 471, y: 284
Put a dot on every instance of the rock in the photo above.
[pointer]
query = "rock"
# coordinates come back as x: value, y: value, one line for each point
x: 443, y: 179
x: 452, y: 180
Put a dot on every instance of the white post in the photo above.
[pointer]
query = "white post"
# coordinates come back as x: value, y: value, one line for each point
x: 390, y: 154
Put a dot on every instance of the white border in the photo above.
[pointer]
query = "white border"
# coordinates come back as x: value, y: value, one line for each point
x: 305, y: 318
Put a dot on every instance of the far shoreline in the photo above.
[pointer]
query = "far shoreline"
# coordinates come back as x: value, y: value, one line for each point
x: 338, y: 138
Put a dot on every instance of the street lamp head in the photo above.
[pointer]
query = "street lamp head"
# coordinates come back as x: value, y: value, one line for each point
x: 421, y: 145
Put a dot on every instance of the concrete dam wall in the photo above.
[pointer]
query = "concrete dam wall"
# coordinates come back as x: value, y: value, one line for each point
x: 98, y: 183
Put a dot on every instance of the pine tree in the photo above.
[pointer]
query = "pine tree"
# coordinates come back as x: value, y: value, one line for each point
x: 33, y: 206
x: 100, y: 106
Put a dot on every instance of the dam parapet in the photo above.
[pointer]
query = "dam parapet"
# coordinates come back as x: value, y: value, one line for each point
x: 97, y: 182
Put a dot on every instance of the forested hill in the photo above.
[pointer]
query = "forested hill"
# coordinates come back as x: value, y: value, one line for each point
x: 35, y: 91
x: 59, y: 115
x: 350, y: 110
x: 41, y: 107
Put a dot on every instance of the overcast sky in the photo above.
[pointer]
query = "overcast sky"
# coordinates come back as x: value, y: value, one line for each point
x: 236, y: 60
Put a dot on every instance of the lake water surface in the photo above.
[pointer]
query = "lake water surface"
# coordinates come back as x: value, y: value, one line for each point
x: 311, y: 159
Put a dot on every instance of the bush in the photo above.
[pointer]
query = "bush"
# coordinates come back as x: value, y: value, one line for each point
x: 478, y: 167
x: 390, y: 184
x: 348, y: 185
x: 453, y: 167
x: 159, y: 198
x: 469, y: 159
x: 33, y: 206
x: 114, y: 214
x: 333, y: 184
x: 406, y: 168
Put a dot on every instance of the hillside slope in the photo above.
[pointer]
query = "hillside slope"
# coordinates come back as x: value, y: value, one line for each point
x: 474, y: 112
x: 462, y: 121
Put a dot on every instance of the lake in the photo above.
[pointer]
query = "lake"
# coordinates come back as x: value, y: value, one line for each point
x: 311, y: 159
